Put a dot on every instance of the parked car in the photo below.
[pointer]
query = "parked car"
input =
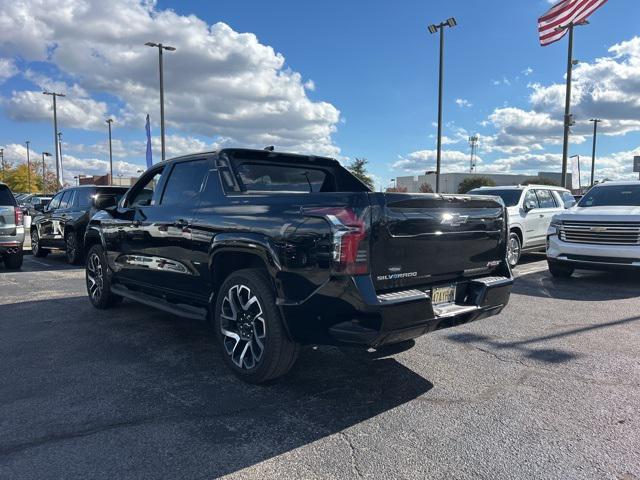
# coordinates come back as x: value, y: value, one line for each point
x: 11, y: 229
x: 530, y: 208
x: 601, y: 233
x: 281, y: 250
x: 29, y: 207
x: 61, y: 224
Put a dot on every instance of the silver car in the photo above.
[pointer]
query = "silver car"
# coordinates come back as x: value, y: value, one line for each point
x: 11, y: 229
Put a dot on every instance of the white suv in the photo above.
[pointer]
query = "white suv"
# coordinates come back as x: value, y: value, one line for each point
x: 531, y: 208
x: 601, y: 233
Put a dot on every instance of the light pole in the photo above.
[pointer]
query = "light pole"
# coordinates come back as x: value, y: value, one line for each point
x: 60, y: 148
x: 109, y: 122
x: 160, y: 48
x: 593, y: 151
x: 451, y: 22
x: 55, y: 130
x: 2, y: 160
x: 28, y: 168
x: 44, y: 178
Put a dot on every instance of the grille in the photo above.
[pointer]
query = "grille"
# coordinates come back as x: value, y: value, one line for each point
x: 600, y: 233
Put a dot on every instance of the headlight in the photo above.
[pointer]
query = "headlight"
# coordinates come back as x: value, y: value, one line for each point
x: 555, y: 226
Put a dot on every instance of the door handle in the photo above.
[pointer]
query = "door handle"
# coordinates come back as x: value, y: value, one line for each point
x: 541, y: 215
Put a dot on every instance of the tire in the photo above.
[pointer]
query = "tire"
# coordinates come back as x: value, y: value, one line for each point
x: 73, y: 249
x: 98, y: 280
x: 13, y: 261
x: 36, y: 250
x: 514, y: 249
x: 560, y: 271
x: 250, y: 329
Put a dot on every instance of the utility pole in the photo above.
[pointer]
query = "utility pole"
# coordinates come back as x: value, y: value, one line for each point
x: 109, y: 122
x: 28, y: 167
x: 451, y: 22
x: 160, y: 48
x: 593, y: 152
x: 2, y: 160
x: 55, y: 131
x: 44, y: 177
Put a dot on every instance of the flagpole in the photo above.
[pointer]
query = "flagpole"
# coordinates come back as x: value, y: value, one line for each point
x: 567, y: 108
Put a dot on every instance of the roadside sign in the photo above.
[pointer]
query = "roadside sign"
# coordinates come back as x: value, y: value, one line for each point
x: 636, y: 163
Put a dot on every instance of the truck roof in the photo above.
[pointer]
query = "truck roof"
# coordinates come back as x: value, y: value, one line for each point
x: 262, y: 155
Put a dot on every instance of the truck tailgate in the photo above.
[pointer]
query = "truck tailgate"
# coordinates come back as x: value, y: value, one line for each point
x: 426, y: 238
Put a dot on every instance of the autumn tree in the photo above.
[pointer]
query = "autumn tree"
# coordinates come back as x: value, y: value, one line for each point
x: 19, y: 180
x: 425, y: 188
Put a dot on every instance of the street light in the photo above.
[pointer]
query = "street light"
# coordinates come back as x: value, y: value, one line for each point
x: 451, y: 22
x: 109, y: 122
x: 160, y: 48
x: 55, y: 130
x: 44, y: 183
x: 593, y: 152
x: 2, y: 160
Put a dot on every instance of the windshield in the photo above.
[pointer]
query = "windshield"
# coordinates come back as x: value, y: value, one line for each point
x: 613, y: 195
x: 510, y: 197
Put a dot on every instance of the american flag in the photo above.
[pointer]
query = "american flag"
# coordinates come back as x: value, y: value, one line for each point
x: 561, y: 15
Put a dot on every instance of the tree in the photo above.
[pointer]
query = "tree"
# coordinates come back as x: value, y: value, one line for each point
x: 540, y: 181
x: 396, y: 190
x: 470, y: 183
x: 425, y: 188
x: 358, y: 167
x: 18, y: 179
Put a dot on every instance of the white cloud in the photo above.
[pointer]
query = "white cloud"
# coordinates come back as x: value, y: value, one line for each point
x: 462, y: 103
x: 7, y: 69
x: 219, y: 82
x: 527, y: 71
x: 424, y: 160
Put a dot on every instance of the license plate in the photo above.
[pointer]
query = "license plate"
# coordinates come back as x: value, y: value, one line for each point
x: 443, y: 294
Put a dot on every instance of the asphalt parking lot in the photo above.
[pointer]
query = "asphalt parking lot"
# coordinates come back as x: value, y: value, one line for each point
x: 548, y: 389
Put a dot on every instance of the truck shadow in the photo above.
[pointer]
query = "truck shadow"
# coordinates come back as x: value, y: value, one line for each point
x: 525, y: 348
x: 144, y: 383
x: 584, y: 285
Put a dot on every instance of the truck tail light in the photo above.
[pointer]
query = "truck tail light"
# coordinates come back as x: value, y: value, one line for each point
x: 350, y: 248
x: 19, y: 216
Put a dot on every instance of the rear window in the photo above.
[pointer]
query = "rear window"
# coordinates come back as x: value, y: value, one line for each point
x: 509, y: 196
x: 6, y: 197
x: 264, y: 177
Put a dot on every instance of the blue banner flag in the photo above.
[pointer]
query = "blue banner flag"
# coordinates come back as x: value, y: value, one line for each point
x: 149, y: 155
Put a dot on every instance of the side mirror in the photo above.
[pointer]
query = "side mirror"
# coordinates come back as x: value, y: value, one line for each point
x: 529, y: 206
x: 102, y: 202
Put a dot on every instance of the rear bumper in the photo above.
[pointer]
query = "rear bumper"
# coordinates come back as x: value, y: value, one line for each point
x: 393, y: 318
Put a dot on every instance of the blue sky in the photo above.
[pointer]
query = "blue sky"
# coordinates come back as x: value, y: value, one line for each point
x: 340, y: 78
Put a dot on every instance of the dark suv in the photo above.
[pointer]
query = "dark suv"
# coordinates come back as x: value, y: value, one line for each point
x: 62, y: 222
x: 280, y: 250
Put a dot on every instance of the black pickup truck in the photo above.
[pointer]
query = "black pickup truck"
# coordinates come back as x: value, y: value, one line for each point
x: 279, y: 250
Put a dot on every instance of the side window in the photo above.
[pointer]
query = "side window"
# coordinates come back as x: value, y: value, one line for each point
x: 184, y: 183
x: 212, y: 191
x: 546, y: 199
x: 83, y: 197
x: 530, y: 200
x: 67, y: 199
x: 143, y: 193
x: 567, y: 199
x: 55, y: 201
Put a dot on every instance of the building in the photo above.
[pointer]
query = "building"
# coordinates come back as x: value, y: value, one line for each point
x: 105, y: 180
x: 449, y: 182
